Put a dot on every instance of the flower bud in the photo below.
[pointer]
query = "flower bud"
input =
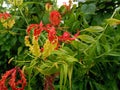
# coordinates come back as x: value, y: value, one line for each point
x: 16, y: 2
x: 48, y: 7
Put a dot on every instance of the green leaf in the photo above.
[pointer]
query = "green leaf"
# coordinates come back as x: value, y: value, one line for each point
x: 48, y: 68
x: 95, y: 29
x: 65, y: 70
x: 118, y: 75
x: 70, y: 59
x: 114, y: 53
x: 46, y: 18
x: 98, y: 47
x: 70, y: 70
x: 113, y: 21
x: 61, y: 79
x: 86, y: 38
x: 67, y: 51
x: 88, y: 8
x: 63, y: 75
x: 20, y: 50
x: 75, y: 25
x: 79, y: 45
x: 99, y: 86
x: 33, y: 63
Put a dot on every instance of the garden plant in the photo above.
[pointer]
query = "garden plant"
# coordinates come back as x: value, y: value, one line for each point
x: 72, y: 47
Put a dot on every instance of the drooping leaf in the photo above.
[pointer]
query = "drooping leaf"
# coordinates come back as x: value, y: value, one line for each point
x: 70, y: 75
x: 61, y: 79
x: 48, y: 67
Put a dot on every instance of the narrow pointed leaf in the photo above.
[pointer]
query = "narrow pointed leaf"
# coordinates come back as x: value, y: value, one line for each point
x: 86, y: 38
x: 113, y: 21
x: 95, y: 29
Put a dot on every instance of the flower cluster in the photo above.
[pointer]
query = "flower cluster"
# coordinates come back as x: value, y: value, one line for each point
x: 11, y: 77
x: 16, y: 2
x: 6, y: 20
x: 53, y: 40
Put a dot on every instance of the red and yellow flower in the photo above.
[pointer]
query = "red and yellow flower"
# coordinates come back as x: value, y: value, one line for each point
x: 7, y: 20
x: 10, y: 77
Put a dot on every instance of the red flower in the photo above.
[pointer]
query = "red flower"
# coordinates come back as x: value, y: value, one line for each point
x: 5, y: 15
x: 30, y: 27
x: 52, y: 34
x: 12, y: 82
x: 55, y: 18
x: 4, y: 77
x: 38, y: 28
x: 67, y: 37
x: 48, y: 27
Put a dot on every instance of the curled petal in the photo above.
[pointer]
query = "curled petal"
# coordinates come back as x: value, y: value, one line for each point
x: 12, y: 75
x: 4, y: 79
x: 66, y: 37
x: 38, y: 28
x: 52, y: 34
x: 30, y: 27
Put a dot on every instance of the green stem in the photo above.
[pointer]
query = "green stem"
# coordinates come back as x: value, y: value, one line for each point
x: 23, y: 16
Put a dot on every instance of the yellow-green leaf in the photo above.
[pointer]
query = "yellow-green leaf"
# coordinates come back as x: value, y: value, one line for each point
x: 48, y: 68
x: 86, y: 38
x: 113, y: 21
x: 95, y: 29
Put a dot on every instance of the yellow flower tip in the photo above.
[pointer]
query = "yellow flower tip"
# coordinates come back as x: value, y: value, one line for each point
x: 35, y: 49
x: 11, y: 23
x: 7, y: 22
x: 49, y: 47
x: 27, y: 42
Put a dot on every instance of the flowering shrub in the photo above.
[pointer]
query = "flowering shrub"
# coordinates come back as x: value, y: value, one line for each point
x: 11, y: 76
x: 53, y: 40
x: 66, y: 48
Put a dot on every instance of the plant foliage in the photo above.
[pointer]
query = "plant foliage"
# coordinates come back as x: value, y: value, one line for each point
x: 67, y: 48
